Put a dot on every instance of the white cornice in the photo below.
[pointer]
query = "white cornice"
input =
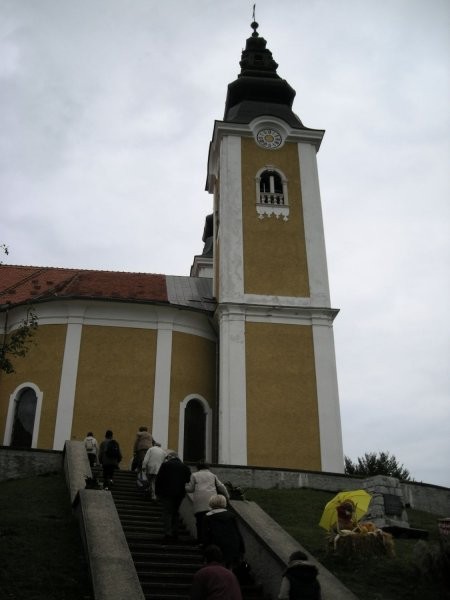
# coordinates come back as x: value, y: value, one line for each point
x: 116, y: 314
x: 264, y: 300
x: 300, y: 315
x: 289, y: 134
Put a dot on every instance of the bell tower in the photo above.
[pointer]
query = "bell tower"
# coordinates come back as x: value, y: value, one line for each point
x: 278, y: 392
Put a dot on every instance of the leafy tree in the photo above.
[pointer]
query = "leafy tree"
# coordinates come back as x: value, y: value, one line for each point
x: 17, y: 343
x: 377, y: 464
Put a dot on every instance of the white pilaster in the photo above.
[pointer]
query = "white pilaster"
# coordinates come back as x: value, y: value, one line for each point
x: 232, y: 387
x: 231, y: 266
x: 161, y: 400
x: 313, y: 223
x: 66, y: 400
x: 332, y: 454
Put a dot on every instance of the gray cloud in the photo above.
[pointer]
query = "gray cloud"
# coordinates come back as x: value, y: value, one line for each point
x: 107, y: 113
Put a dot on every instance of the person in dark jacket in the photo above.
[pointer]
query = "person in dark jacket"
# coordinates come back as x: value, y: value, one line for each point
x: 213, y: 581
x: 170, y: 489
x: 109, y: 460
x: 300, y: 579
x: 220, y: 528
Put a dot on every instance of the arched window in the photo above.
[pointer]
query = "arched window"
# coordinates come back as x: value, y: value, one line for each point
x: 271, y: 193
x: 24, y: 419
x: 194, y: 432
x: 194, y: 441
x: 24, y: 416
x: 271, y: 188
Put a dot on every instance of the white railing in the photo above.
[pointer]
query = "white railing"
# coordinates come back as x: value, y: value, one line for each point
x: 273, y: 198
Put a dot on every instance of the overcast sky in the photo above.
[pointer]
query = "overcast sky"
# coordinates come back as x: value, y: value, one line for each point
x: 107, y: 110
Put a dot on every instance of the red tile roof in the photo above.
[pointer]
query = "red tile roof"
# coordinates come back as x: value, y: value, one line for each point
x: 23, y: 284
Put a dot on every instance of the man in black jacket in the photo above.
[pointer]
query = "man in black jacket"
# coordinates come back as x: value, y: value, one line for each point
x: 109, y: 456
x: 169, y: 488
x: 300, y: 579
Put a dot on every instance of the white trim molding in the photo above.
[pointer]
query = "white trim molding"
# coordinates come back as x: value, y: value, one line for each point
x: 67, y: 388
x: 313, y: 226
x: 231, y: 267
x: 331, y: 448
x: 122, y: 314
x: 232, y: 443
x: 161, y: 398
x: 290, y: 315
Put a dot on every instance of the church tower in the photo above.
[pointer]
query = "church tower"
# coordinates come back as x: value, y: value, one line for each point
x: 278, y: 396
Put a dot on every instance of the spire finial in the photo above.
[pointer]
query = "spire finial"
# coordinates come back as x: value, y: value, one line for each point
x: 254, y: 24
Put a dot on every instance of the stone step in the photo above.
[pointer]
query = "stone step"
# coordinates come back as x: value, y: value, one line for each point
x: 164, y: 566
x: 135, y: 498
x: 138, y: 506
x: 146, y: 526
x: 133, y: 515
x: 165, y: 587
x: 155, y: 533
x: 172, y: 591
x: 140, y: 518
x: 183, y: 561
x: 188, y: 548
x: 166, y: 596
x: 171, y: 576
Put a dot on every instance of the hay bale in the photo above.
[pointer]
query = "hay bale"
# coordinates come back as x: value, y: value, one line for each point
x: 363, y: 542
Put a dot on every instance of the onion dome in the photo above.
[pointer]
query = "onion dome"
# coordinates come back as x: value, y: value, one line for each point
x: 259, y: 90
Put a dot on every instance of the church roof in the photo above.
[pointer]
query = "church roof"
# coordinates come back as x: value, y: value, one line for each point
x: 28, y: 284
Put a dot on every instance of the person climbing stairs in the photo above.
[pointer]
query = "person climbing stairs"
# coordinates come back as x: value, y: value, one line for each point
x: 165, y: 568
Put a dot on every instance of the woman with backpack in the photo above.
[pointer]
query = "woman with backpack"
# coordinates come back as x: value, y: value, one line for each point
x: 90, y: 443
x: 109, y: 457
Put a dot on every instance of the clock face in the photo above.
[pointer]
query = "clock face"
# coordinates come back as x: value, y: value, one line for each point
x: 269, y: 138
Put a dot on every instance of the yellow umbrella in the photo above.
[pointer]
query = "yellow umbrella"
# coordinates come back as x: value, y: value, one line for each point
x: 360, y: 498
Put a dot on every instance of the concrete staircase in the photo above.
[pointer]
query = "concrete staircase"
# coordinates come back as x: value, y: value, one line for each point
x: 165, y: 569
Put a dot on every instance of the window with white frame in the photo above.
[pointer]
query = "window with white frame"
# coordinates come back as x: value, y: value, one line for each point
x: 24, y: 418
x: 271, y: 193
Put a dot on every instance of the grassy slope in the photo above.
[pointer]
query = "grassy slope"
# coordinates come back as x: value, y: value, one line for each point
x: 40, y: 546
x: 42, y: 556
x: 380, y: 578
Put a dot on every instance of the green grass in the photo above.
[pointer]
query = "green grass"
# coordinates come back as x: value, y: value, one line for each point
x: 42, y: 556
x: 378, y: 578
x: 40, y: 546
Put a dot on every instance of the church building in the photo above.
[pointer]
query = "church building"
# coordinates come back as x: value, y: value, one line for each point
x: 235, y: 363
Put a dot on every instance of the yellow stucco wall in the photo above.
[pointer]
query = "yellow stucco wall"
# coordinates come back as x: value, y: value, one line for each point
x: 42, y: 367
x: 193, y: 372
x: 282, y: 414
x: 274, y: 249
x: 115, y: 383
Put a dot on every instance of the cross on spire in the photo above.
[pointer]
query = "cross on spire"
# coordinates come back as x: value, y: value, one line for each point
x: 254, y: 24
